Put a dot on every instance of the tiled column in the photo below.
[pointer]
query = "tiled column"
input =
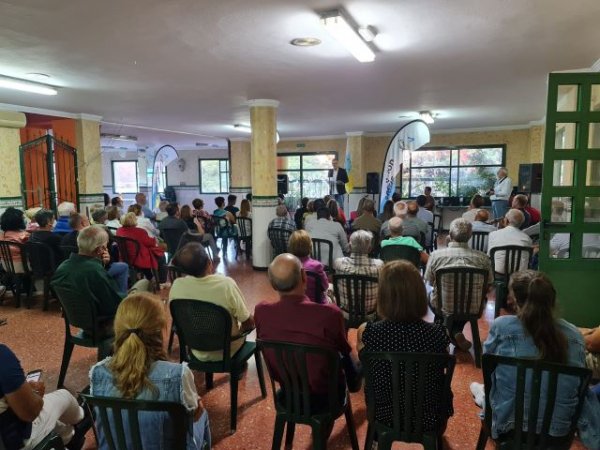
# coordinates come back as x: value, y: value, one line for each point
x: 89, y: 162
x: 240, y: 166
x: 355, y: 145
x: 263, y: 119
x: 10, y: 165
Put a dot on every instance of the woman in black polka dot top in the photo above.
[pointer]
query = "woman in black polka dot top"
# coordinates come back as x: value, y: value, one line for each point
x: 402, y: 303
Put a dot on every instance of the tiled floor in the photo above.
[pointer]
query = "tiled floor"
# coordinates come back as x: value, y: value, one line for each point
x: 37, y: 339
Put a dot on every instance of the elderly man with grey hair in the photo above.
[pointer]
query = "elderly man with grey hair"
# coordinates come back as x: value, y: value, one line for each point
x: 457, y: 254
x: 283, y: 219
x: 509, y: 235
x: 397, y: 238
x: 64, y: 211
x: 359, y: 263
x: 400, y: 210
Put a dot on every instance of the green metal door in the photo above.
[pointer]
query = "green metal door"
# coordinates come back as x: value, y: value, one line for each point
x: 570, y: 234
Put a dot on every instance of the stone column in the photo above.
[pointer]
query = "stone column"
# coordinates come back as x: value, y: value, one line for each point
x: 263, y: 119
x: 10, y: 161
x: 240, y: 163
x: 89, y: 162
x: 355, y: 145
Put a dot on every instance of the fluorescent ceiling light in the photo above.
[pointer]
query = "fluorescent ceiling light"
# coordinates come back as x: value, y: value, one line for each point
x: 244, y: 128
x: 367, y: 33
x: 26, y: 86
x: 427, y: 117
x: 339, y: 27
x: 119, y: 137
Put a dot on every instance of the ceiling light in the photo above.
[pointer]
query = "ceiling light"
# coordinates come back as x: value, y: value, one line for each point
x: 367, y: 33
x: 38, y: 76
x: 26, y: 86
x: 245, y: 128
x: 118, y: 137
x: 305, y: 42
x: 340, y: 28
x: 201, y: 144
x: 426, y: 116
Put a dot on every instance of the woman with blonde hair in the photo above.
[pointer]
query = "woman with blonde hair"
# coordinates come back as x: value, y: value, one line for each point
x: 139, y: 370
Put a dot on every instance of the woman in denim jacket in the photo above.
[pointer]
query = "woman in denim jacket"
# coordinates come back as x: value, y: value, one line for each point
x: 139, y: 370
x: 535, y: 333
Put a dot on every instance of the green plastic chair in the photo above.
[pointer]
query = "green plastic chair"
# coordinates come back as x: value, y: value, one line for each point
x: 394, y: 252
x: 323, y: 247
x: 407, y: 422
x: 535, y: 370
x: 127, y: 436
x: 512, y: 263
x: 204, y: 326
x: 355, y: 292
x: 16, y: 280
x: 294, y: 403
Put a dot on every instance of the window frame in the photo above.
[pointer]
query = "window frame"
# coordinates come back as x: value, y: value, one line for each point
x: 302, y: 169
x: 221, y: 172
x: 137, y: 175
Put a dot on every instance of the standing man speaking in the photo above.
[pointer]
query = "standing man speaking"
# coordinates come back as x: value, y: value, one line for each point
x: 500, y: 194
x: 338, y: 178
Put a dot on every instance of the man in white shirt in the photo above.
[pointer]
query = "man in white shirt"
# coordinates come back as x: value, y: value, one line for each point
x: 338, y: 178
x: 325, y: 228
x: 500, y: 193
x: 509, y: 235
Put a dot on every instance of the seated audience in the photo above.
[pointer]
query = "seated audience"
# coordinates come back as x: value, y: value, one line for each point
x: 282, y: 219
x: 31, y: 224
x: 534, y: 214
x: 430, y: 200
x: 231, y: 208
x: 388, y: 211
x: 359, y: 209
x: 509, y: 235
x: 397, y: 238
x: 44, y: 234
x: 591, y: 338
x: 200, y: 283
x: 481, y: 225
x: 295, y: 318
x: 359, y: 263
x: 424, y: 214
x: 100, y: 217
x: 185, y: 214
x: 173, y: 221
x: 140, y: 369
x: 474, y: 206
x: 367, y: 220
x: 520, y: 202
x: 413, y: 226
x: 113, y: 219
x: 336, y: 212
x: 457, y: 254
x: 300, y: 245
x: 77, y: 222
x: 203, y: 215
x: 117, y: 202
x: 299, y: 214
x: 141, y: 201
x: 539, y: 335
x: 12, y: 224
x: 141, y: 221
x: 64, y: 211
x: 399, y: 211
x: 402, y: 329
x: 310, y: 214
x: 325, y: 228
x: 162, y: 210
x: 29, y: 414
x: 245, y: 210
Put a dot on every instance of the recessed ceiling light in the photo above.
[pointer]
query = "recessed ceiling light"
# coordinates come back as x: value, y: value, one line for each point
x: 38, y: 76
x: 305, y: 42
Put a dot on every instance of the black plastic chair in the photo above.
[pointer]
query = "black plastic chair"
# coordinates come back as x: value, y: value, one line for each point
x: 350, y: 293
x: 42, y: 265
x: 320, y: 248
x: 279, y: 238
x: 531, y: 374
x: 406, y: 252
x: 129, y: 249
x: 191, y: 236
x: 245, y: 226
x: 205, y: 326
x: 432, y: 237
x: 512, y: 263
x: 16, y: 280
x: 174, y: 272
x: 467, y: 302
x: 95, y: 332
x: 172, y: 237
x: 68, y: 249
x: 125, y: 433
x: 287, y: 364
x: 479, y: 240
x: 226, y: 231
x: 318, y: 287
x: 50, y: 442
x: 408, y: 375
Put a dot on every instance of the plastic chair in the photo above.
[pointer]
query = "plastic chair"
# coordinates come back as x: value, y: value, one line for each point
x: 123, y: 431
x: 15, y: 279
x: 432, y: 237
x: 406, y: 252
x: 350, y: 293
x: 79, y: 312
x: 512, y: 263
x: 318, y: 251
x: 174, y: 273
x: 318, y: 288
x: 129, y: 249
x: 245, y: 226
x: 279, y: 238
x: 479, y: 240
x: 456, y: 286
x: 225, y: 230
x: 531, y: 374
x: 408, y: 374
x: 191, y: 236
x: 205, y: 326
x: 42, y: 265
x: 294, y: 403
x: 68, y: 249
x: 172, y: 237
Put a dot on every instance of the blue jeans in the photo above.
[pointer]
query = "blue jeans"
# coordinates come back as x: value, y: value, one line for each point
x: 499, y: 208
x: 339, y: 198
x: 119, y: 271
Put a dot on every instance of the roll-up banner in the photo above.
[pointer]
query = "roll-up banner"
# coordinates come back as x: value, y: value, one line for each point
x: 164, y: 156
x: 410, y: 136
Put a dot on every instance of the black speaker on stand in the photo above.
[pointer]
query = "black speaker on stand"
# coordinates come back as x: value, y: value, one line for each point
x: 530, y: 178
x: 282, y: 184
x: 373, y: 184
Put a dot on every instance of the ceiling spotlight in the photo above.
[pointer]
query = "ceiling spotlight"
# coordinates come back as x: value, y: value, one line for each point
x: 367, y: 33
x: 305, y: 42
x: 244, y: 128
x: 118, y: 137
x: 340, y: 28
x: 427, y: 117
x: 26, y: 86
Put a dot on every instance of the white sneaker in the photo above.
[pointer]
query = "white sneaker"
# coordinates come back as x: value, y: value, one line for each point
x: 478, y: 393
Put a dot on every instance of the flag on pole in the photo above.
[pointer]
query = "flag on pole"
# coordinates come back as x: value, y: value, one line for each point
x: 348, y: 167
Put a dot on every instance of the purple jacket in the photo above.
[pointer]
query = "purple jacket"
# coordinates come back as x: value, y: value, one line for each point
x: 313, y: 265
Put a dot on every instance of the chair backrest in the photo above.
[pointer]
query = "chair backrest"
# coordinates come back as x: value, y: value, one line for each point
x: 172, y: 237
x: 129, y: 249
x: 222, y: 225
x: 7, y: 253
x: 350, y: 295
x: 513, y: 258
x: 318, y: 287
x: 288, y: 365
x: 120, y: 425
x: 462, y: 287
x: 279, y: 238
x: 479, y: 240
x: 432, y: 233
x: 202, y: 326
x: 79, y: 310
x: 437, y: 223
x: 192, y: 236
x: 68, y: 249
x: 531, y: 376
x: 245, y: 225
x: 41, y: 258
x: 393, y: 252
x: 323, y: 247
x: 409, y: 373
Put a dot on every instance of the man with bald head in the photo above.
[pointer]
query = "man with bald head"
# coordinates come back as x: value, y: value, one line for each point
x: 509, y: 235
x: 295, y: 318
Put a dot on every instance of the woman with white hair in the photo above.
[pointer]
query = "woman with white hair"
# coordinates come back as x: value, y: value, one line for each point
x: 64, y: 211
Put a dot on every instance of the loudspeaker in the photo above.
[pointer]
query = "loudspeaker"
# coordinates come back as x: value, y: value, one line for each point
x: 282, y: 184
x: 373, y: 184
x: 530, y: 178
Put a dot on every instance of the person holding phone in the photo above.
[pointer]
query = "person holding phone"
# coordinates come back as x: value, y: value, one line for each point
x: 28, y: 414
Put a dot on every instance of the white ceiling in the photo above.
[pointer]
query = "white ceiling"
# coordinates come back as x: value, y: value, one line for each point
x: 190, y: 65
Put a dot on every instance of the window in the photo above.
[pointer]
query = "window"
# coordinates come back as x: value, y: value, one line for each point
x: 125, y: 177
x: 451, y: 172
x: 307, y: 175
x: 214, y: 176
